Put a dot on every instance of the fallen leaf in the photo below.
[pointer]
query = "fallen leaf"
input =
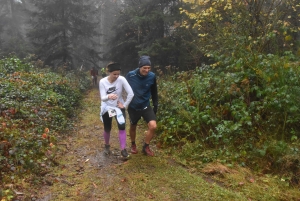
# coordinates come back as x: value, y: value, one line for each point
x: 9, y: 185
x: 18, y: 193
x: 251, y: 180
x: 150, y: 196
x: 78, y: 192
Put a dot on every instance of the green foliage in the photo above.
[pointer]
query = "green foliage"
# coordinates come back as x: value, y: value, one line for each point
x: 248, y: 108
x: 34, y: 107
x: 244, y: 107
x: 238, y: 29
x: 7, y: 195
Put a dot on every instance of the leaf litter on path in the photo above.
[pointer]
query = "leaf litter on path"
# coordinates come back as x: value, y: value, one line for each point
x: 84, y: 171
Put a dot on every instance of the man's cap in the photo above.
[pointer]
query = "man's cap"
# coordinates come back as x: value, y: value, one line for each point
x: 144, y: 61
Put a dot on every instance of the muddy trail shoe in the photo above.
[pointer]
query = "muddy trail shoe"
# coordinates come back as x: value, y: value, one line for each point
x: 107, y: 149
x: 124, y: 153
x: 133, y: 149
x: 147, y: 151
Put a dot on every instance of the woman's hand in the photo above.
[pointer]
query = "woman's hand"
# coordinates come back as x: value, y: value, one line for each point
x: 112, y: 96
x: 120, y: 105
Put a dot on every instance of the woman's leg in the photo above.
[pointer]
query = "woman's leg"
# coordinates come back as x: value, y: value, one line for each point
x: 107, y: 121
x: 122, y: 132
x: 122, y: 136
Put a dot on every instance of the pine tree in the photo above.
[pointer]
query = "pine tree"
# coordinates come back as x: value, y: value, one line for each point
x: 63, y: 31
x: 13, y: 18
x: 109, y: 10
x: 145, y: 27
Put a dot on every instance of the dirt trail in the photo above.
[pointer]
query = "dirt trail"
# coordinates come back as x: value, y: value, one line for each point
x: 84, y: 171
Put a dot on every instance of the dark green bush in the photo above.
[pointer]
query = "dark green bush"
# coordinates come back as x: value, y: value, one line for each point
x: 35, y: 105
x: 239, y: 106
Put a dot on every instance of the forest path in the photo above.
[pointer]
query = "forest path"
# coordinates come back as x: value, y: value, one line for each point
x: 84, y: 172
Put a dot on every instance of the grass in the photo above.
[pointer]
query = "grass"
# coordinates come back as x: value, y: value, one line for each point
x: 85, y: 174
x: 159, y: 179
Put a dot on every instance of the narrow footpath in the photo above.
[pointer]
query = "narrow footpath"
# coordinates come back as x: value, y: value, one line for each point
x: 85, y: 173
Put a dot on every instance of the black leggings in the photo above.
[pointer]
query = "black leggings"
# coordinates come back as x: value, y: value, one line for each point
x: 108, y: 121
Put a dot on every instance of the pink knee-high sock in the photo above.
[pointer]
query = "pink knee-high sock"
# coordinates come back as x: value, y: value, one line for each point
x: 106, y: 136
x: 122, y: 138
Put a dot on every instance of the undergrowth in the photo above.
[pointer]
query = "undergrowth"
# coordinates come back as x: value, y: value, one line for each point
x: 236, y: 114
x: 213, y: 127
x: 35, y: 104
x: 150, y: 178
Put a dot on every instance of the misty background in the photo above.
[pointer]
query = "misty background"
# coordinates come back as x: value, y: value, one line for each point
x: 73, y: 33
x: 90, y: 33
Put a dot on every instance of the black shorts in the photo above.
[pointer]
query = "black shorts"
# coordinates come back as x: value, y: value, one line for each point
x: 135, y: 115
x: 107, y: 121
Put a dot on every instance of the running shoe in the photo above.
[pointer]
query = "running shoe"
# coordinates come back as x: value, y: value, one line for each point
x: 107, y: 149
x: 124, y: 153
x: 147, y: 151
x: 133, y: 149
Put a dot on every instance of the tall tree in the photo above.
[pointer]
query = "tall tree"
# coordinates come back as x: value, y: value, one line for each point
x: 63, y: 31
x: 233, y: 27
x: 145, y: 27
x: 13, y: 18
x: 108, y: 12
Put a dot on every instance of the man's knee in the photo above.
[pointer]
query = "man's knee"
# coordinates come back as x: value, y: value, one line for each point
x: 152, y: 125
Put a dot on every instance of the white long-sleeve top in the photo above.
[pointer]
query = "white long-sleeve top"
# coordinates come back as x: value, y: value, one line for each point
x: 105, y: 88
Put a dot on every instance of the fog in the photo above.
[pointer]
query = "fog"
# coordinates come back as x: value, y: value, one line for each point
x: 91, y: 33
x: 75, y: 38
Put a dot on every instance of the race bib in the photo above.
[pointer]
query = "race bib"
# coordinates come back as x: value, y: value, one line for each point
x: 112, y: 112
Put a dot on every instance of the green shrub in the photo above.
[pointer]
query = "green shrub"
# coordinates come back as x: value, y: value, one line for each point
x: 35, y: 105
x: 239, y: 105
